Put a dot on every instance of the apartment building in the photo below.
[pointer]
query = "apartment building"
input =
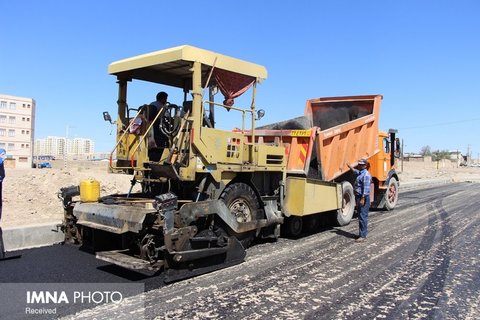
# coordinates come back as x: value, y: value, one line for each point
x: 59, y: 147
x: 50, y: 146
x: 81, y: 146
x: 17, y: 129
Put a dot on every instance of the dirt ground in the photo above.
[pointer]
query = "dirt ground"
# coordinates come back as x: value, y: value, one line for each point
x: 30, y: 195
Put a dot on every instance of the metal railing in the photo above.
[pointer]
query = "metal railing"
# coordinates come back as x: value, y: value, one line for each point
x: 142, y: 138
x: 243, y: 111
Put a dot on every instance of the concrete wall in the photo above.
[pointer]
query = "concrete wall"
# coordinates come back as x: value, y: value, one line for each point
x: 427, y: 163
x: 59, y: 164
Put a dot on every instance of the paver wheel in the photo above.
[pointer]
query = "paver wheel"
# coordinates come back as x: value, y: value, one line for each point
x: 242, y: 202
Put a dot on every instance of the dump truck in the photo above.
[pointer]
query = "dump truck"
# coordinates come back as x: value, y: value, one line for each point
x: 333, y: 132
x: 211, y: 192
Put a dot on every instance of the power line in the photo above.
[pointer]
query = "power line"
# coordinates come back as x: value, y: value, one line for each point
x: 440, y: 124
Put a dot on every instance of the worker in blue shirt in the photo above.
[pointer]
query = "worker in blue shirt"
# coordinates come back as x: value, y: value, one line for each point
x: 361, y: 189
x: 2, y: 175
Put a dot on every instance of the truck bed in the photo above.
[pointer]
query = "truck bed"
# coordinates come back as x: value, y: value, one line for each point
x: 333, y: 132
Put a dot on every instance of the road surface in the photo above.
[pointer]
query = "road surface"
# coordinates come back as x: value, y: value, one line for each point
x: 420, y: 261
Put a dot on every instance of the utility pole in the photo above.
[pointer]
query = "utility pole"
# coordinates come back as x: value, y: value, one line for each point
x: 458, y: 158
x: 468, y: 154
x: 401, y: 157
x: 65, y: 147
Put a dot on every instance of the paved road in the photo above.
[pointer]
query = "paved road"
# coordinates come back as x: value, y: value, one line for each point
x: 421, y: 261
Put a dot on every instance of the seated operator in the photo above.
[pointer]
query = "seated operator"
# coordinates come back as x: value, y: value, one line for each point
x: 160, y: 140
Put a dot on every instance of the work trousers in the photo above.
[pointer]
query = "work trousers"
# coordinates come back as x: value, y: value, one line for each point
x: 363, y: 215
x: 1, y: 200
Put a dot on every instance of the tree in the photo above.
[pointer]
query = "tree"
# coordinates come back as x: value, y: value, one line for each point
x: 426, y: 151
x: 439, y: 155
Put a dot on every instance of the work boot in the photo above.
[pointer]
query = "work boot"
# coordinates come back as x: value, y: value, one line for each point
x: 360, y: 239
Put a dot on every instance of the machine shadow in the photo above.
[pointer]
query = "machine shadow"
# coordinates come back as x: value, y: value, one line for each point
x: 345, y: 234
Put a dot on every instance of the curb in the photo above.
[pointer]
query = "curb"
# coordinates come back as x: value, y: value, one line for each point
x: 33, y: 236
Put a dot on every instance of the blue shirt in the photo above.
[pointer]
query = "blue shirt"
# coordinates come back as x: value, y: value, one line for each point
x: 362, y: 182
x: 2, y: 155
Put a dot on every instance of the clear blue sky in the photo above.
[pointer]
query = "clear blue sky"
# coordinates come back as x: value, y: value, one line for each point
x: 422, y: 56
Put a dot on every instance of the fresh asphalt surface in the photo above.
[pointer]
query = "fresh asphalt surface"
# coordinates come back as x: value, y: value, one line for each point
x: 421, y: 261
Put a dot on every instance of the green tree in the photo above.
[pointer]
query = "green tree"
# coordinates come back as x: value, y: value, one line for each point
x: 439, y: 155
x: 426, y: 151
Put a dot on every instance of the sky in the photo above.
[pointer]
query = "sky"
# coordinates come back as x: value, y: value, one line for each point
x: 422, y: 56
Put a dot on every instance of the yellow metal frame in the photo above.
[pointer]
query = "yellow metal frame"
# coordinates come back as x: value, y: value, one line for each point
x: 209, y: 150
x: 308, y: 196
x: 190, y: 54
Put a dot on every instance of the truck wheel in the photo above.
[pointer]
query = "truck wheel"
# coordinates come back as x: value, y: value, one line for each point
x: 391, y: 195
x: 292, y: 226
x: 345, y: 214
x: 311, y: 223
x: 242, y: 202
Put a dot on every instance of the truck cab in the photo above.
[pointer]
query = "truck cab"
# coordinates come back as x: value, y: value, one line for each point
x: 382, y: 168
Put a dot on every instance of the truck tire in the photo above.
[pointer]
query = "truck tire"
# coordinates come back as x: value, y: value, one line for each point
x: 312, y: 223
x: 345, y: 214
x: 292, y: 227
x: 242, y: 202
x: 391, y: 195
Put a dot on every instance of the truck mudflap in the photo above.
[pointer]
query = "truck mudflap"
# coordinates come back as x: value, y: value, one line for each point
x: 116, y: 218
x: 181, y: 265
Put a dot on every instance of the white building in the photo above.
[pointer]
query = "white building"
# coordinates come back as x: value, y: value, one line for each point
x: 80, y: 146
x: 77, y: 148
x: 17, y: 123
x: 50, y: 146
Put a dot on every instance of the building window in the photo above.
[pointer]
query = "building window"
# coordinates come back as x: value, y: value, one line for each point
x: 3, y: 132
x: 13, y: 105
x: 3, y: 104
x: 27, y: 146
x: 28, y: 119
x: 11, y: 132
x: 23, y: 145
x: 2, y: 145
x: 28, y: 106
x: 3, y: 119
x: 22, y: 159
x: 28, y: 132
x: 12, y: 120
x: 23, y: 118
x: 11, y: 146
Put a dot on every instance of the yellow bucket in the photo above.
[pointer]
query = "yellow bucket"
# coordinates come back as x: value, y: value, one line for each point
x: 89, y: 190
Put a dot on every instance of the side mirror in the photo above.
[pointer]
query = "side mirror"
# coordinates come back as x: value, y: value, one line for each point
x: 107, y: 117
x: 260, y: 114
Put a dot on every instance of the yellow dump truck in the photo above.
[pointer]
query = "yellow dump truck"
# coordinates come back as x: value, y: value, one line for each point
x: 210, y: 192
